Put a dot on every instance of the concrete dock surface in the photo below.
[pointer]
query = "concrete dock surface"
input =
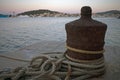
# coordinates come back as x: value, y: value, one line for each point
x: 112, y: 57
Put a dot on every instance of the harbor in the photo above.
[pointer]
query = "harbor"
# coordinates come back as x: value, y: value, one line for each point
x: 83, y: 55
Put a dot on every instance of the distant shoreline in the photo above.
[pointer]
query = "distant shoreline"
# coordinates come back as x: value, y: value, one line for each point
x: 26, y: 16
x: 49, y: 13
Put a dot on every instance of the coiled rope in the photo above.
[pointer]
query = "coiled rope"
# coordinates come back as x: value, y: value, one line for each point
x: 55, y: 67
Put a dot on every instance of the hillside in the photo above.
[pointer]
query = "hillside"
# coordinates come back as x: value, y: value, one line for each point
x: 111, y: 13
x: 49, y: 13
x: 45, y: 13
x: 34, y: 12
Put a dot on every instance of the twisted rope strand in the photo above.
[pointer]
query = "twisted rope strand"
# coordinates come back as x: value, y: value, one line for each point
x: 57, y: 67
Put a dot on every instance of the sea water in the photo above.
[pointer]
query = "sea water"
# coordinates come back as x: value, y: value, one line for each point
x: 16, y: 33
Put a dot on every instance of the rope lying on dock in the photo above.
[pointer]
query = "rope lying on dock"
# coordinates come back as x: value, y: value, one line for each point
x: 55, y: 67
x: 16, y: 59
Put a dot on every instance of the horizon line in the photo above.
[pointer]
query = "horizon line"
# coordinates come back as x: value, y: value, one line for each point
x: 16, y: 12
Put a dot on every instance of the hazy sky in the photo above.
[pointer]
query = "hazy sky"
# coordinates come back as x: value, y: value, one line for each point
x: 68, y: 6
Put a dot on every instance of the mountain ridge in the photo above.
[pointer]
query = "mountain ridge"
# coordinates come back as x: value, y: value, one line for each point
x: 45, y: 13
x: 40, y: 11
x: 50, y: 13
x: 110, y: 13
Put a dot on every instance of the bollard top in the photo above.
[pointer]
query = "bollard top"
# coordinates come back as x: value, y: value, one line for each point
x: 86, y: 10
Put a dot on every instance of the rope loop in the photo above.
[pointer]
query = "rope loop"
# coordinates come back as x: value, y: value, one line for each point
x: 47, y: 67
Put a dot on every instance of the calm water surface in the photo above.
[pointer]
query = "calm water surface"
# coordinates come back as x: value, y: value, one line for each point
x: 16, y: 33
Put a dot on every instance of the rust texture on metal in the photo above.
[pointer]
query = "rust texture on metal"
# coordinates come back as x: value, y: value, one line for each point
x: 85, y: 34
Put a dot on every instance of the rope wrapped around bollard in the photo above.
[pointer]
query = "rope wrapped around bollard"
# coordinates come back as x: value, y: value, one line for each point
x: 56, y: 67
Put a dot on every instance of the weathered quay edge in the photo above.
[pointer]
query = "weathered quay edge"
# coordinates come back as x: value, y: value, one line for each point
x: 111, y: 55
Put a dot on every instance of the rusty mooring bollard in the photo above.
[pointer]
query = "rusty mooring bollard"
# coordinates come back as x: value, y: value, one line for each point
x: 85, y: 38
